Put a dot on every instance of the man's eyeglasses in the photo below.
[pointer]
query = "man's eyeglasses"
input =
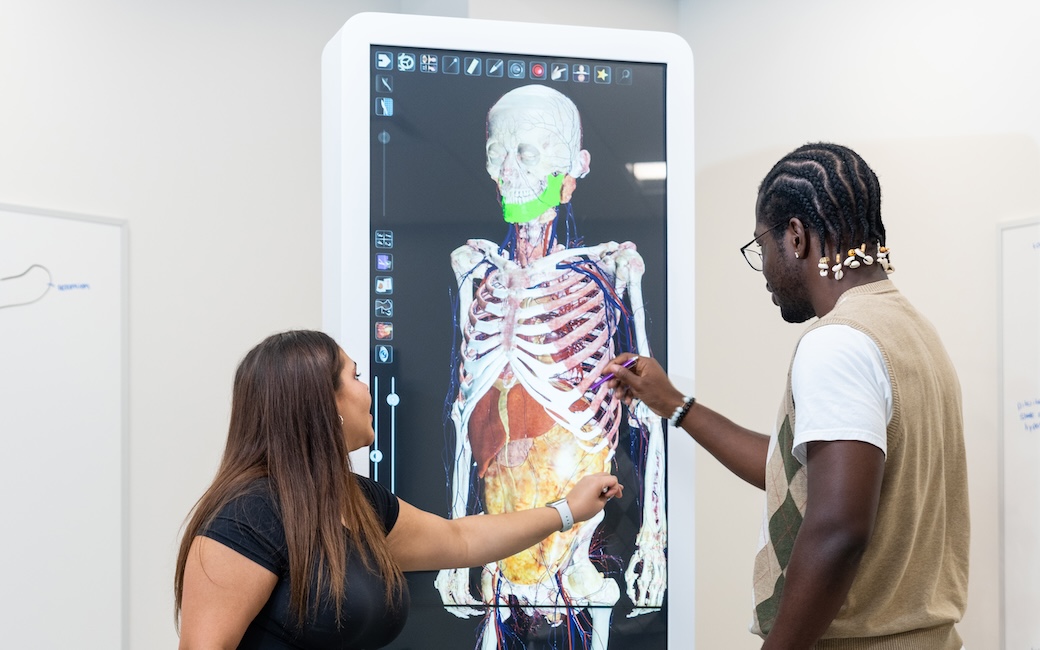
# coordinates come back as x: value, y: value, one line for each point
x: 752, y: 251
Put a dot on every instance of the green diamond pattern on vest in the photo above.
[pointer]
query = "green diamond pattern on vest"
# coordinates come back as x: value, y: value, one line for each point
x: 785, y: 476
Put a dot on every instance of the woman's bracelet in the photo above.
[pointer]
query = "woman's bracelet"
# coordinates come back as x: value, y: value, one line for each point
x: 681, y: 411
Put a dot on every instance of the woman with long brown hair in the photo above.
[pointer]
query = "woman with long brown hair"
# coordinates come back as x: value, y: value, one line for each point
x: 290, y: 549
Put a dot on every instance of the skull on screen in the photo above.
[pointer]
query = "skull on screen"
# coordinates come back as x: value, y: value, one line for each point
x: 534, y: 151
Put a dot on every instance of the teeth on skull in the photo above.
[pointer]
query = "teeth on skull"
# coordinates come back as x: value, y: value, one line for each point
x: 521, y: 198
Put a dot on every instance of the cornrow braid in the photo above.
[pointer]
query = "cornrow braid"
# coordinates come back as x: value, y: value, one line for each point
x: 831, y: 189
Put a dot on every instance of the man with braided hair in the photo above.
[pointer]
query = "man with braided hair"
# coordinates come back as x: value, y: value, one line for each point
x: 865, y: 536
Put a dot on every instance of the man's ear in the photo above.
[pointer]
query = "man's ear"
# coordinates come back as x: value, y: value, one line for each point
x: 799, y: 238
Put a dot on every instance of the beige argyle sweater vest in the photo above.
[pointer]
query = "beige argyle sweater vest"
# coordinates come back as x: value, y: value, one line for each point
x: 912, y: 583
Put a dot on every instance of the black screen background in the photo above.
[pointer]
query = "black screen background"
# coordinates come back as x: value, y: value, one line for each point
x: 429, y: 186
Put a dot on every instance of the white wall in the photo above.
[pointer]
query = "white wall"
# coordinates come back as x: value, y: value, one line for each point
x: 198, y: 123
x: 655, y: 15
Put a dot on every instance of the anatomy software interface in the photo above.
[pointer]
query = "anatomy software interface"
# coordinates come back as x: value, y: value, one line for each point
x: 518, y: 216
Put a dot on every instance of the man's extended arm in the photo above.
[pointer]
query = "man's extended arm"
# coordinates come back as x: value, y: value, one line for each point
x: 741, y: 450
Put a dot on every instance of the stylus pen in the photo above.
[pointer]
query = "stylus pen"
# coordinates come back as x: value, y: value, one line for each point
x: 605, y: 378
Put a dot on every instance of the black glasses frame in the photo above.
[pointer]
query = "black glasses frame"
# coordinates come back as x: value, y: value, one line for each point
x: 746, y: 249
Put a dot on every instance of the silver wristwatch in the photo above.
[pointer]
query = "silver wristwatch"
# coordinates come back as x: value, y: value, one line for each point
x: 565, y: 513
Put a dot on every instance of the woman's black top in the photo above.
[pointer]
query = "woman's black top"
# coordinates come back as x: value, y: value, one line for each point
x: 251, y: 524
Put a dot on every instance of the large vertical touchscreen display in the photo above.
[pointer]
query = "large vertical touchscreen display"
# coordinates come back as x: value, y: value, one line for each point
x: 517, y: 221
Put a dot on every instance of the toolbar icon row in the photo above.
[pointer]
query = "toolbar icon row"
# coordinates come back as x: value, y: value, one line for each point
x: 495, y: 67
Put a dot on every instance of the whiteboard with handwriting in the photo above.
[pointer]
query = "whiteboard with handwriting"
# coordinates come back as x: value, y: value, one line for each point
x: 1020, y: 432
x: 62, y: 423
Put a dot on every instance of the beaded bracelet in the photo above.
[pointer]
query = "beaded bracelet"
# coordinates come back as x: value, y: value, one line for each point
x: 681, y: 411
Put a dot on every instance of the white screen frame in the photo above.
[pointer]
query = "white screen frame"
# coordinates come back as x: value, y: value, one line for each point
x: 346, y: 111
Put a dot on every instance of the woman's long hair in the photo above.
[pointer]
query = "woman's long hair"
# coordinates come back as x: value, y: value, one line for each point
x: 285, y: 426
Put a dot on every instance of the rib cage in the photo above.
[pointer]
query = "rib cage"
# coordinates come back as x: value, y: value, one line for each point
x: 548, y: 329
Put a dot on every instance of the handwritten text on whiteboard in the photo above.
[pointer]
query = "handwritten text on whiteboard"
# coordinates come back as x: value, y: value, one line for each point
x: 1029, y: 414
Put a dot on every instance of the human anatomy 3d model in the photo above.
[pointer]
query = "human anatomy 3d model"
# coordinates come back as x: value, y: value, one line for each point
x: 539, y: 319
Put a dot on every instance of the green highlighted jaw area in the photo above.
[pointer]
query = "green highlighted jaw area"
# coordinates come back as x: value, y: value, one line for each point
x: 531, y: 210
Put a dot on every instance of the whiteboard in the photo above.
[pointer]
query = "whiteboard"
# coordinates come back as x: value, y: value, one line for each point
x: 1020, y: 432
x: 63, y: 405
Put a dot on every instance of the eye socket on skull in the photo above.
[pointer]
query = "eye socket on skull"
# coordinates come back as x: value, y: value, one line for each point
x: 528, y: 154
x: 496, y: 154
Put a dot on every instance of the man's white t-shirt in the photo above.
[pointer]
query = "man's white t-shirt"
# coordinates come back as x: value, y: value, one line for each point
x: 841, y: 389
